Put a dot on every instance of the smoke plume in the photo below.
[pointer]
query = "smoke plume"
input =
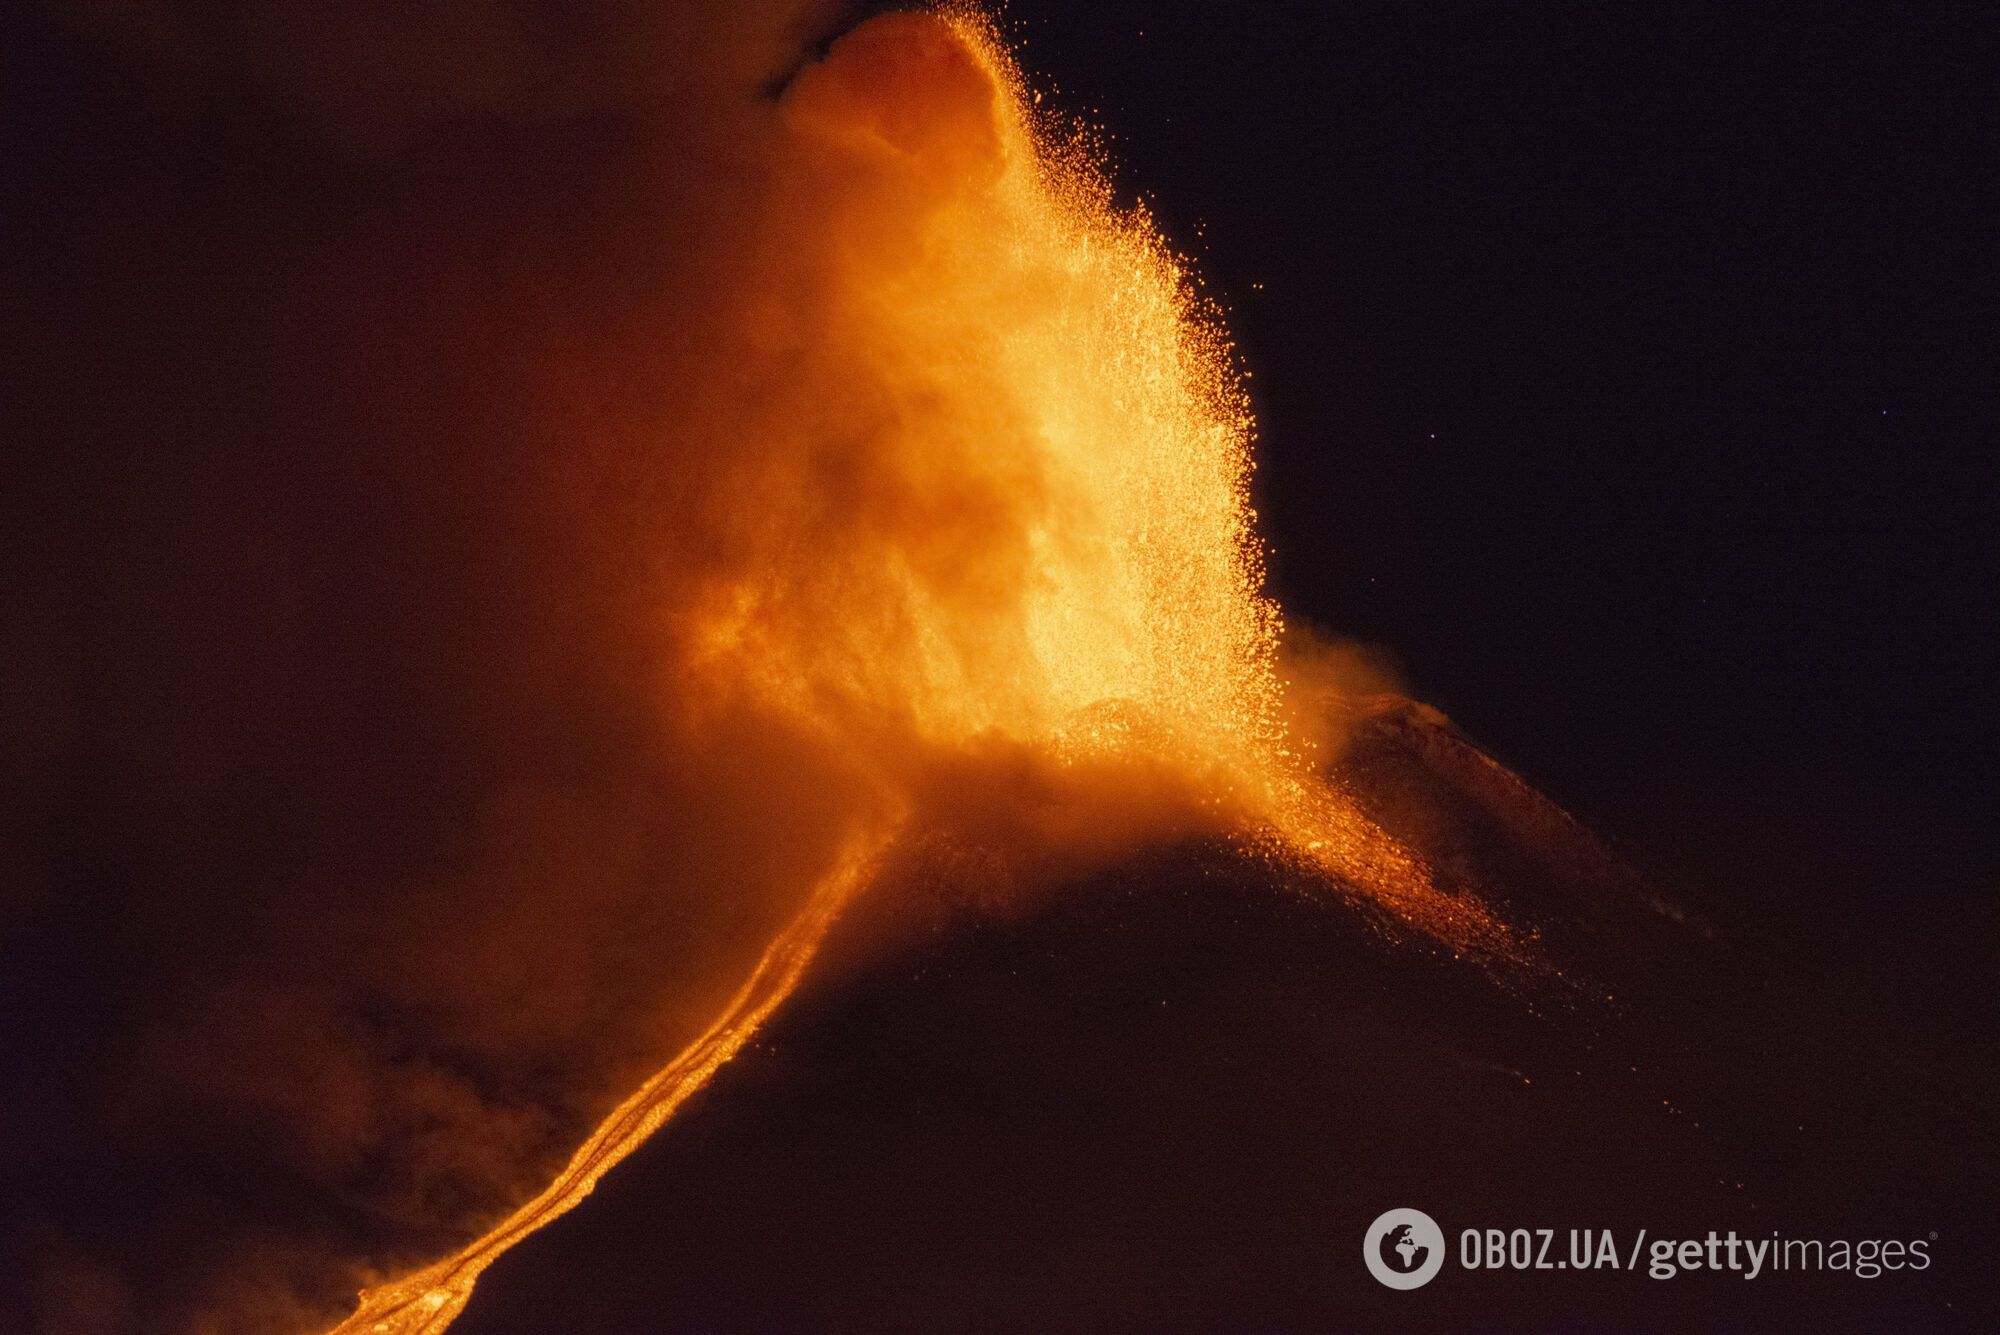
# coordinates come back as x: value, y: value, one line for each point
x: 505, y: 494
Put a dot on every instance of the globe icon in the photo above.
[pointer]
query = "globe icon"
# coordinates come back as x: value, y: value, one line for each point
x: 1404, y: 1249
x: 1403, y: 1241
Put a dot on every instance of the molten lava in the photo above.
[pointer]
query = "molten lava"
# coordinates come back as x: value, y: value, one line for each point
x: 429, y: 1299
x: 1024, y: 529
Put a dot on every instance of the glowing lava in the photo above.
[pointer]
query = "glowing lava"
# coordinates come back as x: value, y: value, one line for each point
x: 1022, y: 520
x: 428, y: 1300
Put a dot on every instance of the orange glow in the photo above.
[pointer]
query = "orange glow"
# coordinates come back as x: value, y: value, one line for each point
x: 1059, y: 525
x: 1037, y: 537
x: 428, y: 1300
x: 1045, y: 537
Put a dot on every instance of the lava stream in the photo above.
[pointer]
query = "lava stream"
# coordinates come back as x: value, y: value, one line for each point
x: 426, y: 1302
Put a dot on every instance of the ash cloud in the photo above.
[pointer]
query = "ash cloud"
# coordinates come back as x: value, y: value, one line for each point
x: 402, y: 398
x: 359, y: 846
x: 443, y: 436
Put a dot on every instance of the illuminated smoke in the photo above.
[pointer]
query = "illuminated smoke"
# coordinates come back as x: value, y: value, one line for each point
x: 484, y: 578
x: 991, y: 491
x: 975, y: 494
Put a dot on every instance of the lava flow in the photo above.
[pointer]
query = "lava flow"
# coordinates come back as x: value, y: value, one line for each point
x: 1005, y: 514
x: 429, y: 1299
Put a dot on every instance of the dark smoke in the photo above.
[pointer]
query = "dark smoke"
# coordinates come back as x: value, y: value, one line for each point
x: 359, y: 846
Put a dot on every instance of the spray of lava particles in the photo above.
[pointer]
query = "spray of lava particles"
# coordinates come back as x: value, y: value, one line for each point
x: 1039, y: 545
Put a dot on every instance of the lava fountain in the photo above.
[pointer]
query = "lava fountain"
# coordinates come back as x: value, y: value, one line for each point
x: 1039, y: 545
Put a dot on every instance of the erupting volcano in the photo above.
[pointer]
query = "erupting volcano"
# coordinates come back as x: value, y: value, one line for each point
x: 1035, y: 552
x: 642, y: 686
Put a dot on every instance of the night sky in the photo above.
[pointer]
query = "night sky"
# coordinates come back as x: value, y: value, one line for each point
x: 1626, y: 371
x: 1624, y: 375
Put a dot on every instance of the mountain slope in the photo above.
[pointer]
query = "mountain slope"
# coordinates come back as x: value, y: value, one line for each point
x: 1173, y: 1095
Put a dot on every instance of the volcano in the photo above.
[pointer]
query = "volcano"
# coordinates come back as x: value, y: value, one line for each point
x: 1172, y: 1094
x: 644, y: 687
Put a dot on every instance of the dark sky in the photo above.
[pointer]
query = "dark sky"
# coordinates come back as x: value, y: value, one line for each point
x: 1624, y: 371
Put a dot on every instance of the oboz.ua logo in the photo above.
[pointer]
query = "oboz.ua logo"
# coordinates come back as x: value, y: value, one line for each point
x: 1404, y: 1249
